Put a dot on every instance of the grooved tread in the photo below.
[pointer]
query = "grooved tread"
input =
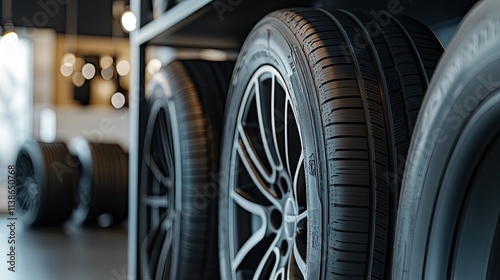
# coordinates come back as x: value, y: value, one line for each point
x: 370, y: 89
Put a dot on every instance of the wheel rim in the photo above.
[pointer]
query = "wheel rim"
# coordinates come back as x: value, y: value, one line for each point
x: 158, y: 199
x: 268, y: 209
x: 28, y: 190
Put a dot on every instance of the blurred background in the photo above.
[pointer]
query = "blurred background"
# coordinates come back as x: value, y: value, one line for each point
x: 64, y: 71
x: 64, y: 68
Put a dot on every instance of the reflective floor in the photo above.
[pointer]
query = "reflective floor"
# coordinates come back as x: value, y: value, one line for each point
x: 65, y: 253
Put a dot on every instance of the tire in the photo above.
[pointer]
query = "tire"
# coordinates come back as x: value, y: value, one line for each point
x: 103, y: 178
x: 448, y: 224
x: 318, y: 114
x: 179, y: 186
x: 46, y: 175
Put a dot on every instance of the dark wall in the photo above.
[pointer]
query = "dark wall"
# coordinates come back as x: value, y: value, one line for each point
x: 94, y: 17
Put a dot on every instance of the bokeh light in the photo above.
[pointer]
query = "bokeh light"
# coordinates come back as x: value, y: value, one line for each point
x: 107, y: 73
x: 66, y: 70
x: 88, y: 71
x: 123, y: 68
x: 154, y: 65
x: 106, y: 61
x: 78, y: 79
x: 118, y: 100
x: 69, y: 59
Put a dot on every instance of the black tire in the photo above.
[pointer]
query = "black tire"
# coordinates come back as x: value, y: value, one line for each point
x: 101, y: 194
x: 46, y: 174
x: 350, y: 101
x: 448, y: 224
x: 181, y: 147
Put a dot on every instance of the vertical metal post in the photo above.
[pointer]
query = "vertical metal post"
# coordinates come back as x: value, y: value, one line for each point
x: 137, y: 97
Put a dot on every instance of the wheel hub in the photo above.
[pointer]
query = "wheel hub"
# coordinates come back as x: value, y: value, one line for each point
x: 33, y: 190
x: 290, y: 213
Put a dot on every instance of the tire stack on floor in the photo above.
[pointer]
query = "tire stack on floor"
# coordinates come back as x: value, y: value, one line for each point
x: 87, y: 183
x: 46, y: 174
x: 102, y: 192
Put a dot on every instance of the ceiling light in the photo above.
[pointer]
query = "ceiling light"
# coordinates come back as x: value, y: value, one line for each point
x: 129, y: 21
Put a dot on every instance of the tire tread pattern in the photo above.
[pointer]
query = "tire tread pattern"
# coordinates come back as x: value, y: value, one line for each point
x: 370, y: 90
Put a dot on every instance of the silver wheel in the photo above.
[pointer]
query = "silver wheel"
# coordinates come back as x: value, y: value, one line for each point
x: 159, y: 201
x: 268, y: 209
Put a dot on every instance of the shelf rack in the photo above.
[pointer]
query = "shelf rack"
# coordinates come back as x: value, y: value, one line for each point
x: 224, y: 25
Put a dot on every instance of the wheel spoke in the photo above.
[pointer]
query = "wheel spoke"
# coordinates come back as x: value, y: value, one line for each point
x: 31, y: 205
x: 266, y: 132
x: 255, y: 173
x: 151, y: 242
x: 156, y: 201
x: 164, y: 140
x: 276, y: 270
x: 253, y: 158
x: 280, y: 274
x: 165, y: 251
x: 158, y: 175
x: 287, y: 152
x: 292, y: 138
x: 295, y: 183
x: 167, y: 137
x: 274, y: 115
x: 158, y: 146
x: 23, y: 197
x: 301, y: 263
x: 265, y: 259
x: 257, y: 236
x: 302, y: 216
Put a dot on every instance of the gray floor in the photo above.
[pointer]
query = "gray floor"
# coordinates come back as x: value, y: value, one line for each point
x: 65, y: 253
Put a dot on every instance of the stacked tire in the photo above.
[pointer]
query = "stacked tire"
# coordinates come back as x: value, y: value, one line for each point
x: 101, y: 196
x: 87, y: 183
x: 46, y: 174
